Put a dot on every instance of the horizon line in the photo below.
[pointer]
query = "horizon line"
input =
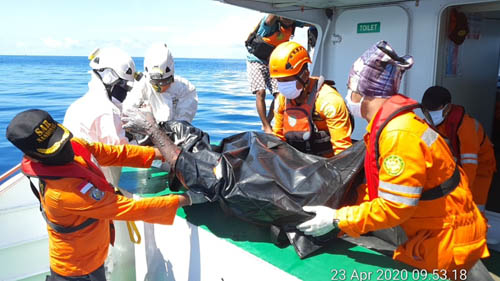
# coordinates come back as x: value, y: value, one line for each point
x: 132, y: 56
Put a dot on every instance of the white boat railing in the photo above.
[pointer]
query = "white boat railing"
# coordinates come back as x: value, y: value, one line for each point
x: 10, y: 172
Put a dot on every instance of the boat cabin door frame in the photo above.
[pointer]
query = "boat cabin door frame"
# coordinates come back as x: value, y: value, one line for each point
x: 470, y: 70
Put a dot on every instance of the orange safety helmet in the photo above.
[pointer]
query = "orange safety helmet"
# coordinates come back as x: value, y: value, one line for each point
x: 287, y: 59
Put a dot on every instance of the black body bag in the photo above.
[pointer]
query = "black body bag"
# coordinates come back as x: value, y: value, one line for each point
x: 263, y: 180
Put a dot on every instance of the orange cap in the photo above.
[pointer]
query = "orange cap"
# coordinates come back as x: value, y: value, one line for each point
x: 287, y: 59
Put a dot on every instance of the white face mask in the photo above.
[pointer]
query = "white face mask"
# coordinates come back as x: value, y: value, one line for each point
x: 437, y: 116
x: 354, y: 107
x: 289, y: 89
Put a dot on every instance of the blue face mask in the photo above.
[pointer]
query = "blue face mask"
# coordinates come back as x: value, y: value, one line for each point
x: 437, y: 116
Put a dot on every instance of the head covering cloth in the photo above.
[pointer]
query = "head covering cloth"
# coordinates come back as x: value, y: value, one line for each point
x: 378, y: 71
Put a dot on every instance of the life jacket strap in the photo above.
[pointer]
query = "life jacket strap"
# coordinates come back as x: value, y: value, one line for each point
x: 443, y: 189
x: 56, y: 227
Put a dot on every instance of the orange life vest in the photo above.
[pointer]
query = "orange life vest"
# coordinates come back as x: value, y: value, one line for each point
x: 300, y: 130
x: 71, y: 170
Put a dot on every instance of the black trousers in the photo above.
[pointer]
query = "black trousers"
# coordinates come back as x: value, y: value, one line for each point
x: 96, y: 275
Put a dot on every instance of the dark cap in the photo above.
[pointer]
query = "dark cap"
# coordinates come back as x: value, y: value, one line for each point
x: 435, y: 97
x: 36, y: 134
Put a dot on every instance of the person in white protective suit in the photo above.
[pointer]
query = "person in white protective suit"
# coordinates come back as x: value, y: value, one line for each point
x: 96, y: 117
x: 169, y: 97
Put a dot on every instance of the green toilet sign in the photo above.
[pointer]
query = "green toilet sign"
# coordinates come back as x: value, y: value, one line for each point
x: 368, y: 27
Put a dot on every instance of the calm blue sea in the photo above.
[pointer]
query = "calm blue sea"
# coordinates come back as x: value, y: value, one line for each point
x: 50, y: 83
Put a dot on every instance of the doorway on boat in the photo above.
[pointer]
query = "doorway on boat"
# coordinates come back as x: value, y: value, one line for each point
x: 468, y: 57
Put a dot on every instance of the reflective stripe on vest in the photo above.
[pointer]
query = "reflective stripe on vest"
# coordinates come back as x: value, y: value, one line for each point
x: 407, y: 195
x: 469, y: 158
x: 429, y: 136
x: 410, y: 195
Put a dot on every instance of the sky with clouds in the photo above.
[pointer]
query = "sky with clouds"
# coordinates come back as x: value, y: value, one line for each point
x: 191, y: 28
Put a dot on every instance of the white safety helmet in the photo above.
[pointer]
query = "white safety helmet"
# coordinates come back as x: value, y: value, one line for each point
x: 115, y: 59
x: 158, y: 62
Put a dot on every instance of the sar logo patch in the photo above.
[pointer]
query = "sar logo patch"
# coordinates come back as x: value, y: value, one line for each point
x: 292, y: 121
x: 96, y: 194
x: 394, y: 165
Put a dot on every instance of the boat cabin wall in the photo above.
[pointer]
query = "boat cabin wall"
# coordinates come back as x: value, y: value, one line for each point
x: 419, y: 31
x: 353, y: 31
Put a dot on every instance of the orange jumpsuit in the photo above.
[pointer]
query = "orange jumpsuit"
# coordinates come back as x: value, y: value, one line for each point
x: 83, y: 251
x: 477, y: 157
x: 446, y: 233
x: 330, y: 115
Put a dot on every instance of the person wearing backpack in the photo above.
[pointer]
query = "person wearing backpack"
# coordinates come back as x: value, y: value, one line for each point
x: 269, y: 33
x: 310, y: 115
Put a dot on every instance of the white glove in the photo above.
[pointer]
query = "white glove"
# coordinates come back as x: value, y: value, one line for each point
x: 138, y: 120
x: 322, y: 223
x: 196, y: 198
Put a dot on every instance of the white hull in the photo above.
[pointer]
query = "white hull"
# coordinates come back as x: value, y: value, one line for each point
x: 23, y: 239
x: 184, y: 251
